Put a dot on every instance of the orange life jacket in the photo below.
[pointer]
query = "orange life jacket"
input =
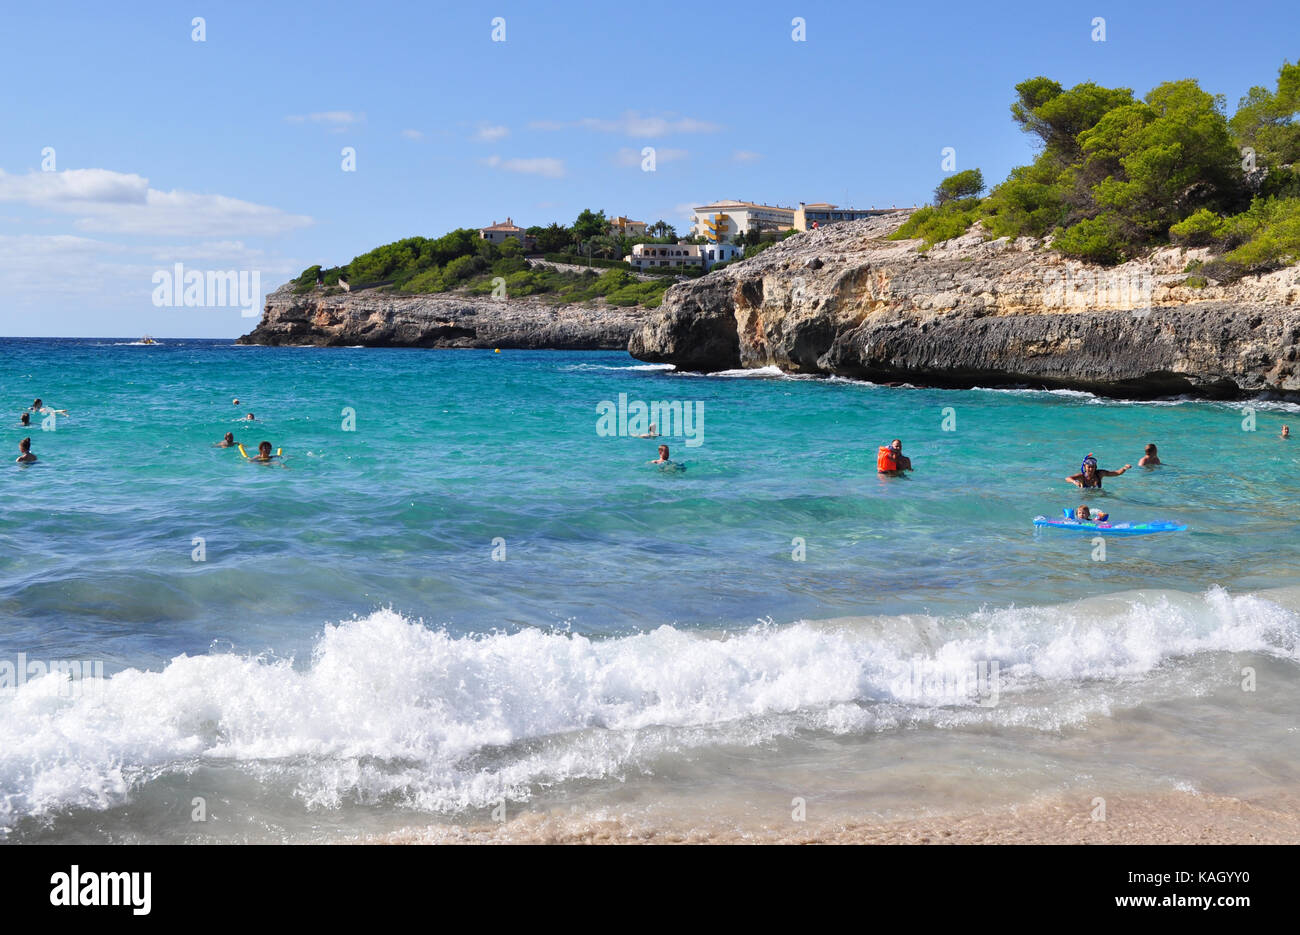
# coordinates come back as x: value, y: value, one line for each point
x: 886, y: 459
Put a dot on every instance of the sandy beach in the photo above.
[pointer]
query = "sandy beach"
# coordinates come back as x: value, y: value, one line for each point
x: 1168, y: 818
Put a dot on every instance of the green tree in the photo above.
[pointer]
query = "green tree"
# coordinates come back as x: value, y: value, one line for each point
x: 1269, y: 121
x: 967, y: 184
x: 589, y: 224
x: 554, y: 239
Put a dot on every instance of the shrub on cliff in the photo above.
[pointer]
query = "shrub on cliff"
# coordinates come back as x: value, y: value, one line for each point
x: 936, y: 224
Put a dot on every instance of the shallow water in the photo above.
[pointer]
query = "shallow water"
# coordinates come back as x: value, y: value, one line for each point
x: 776, y: 620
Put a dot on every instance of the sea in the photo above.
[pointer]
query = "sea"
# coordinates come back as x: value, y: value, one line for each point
x: 465, y: 597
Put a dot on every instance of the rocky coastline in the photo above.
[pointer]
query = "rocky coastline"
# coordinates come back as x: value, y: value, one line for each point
x: 843, y: 300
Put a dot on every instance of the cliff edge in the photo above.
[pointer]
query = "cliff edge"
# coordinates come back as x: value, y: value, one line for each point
x: 373, y: 318
x: 844, y: 300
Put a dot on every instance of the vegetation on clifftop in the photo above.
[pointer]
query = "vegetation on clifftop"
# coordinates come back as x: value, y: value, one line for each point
x: 1117, y: 176
x: 462, y: 261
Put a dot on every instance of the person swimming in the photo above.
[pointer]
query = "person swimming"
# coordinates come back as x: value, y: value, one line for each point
x: 1286, y: 432
x: 39, y: 406
x: 25, y: 419
x: 25, y: 455
x: 1085, y: 515
x: 1090, y: 475
x: 227, y: 442
x: 249, y: 418
x: 653, y: 433
x: 1150, y: 459
x: 663, y: 456
x: 891, y: 460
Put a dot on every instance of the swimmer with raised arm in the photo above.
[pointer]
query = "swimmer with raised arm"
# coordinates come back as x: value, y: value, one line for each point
x: 38, y: 406
x: 1090, y: 475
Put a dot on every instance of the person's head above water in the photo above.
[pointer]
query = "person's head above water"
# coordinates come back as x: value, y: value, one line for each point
x: 230, y: 437
x: 896, y: 444
x: 1082, y: 512
x: 663, y: 452
x: 249, y: 417
x: 37, y: 403
x: 264, y: 449
x: 1286, y: 431
x: 25, y: 445
x: 1089, y: 466
x: 235, y: 401
x: 25, y: 419
x: 1151, y: 449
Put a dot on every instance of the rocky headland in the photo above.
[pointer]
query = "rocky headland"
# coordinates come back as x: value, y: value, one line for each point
x: 375, y: 318
x: 974, y: 312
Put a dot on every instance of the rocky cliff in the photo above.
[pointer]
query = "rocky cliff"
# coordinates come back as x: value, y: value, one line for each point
x: 843, y: 300
x: 378, y: 319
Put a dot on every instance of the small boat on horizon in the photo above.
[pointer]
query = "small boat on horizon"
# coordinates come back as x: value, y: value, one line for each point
x: 147, y: 340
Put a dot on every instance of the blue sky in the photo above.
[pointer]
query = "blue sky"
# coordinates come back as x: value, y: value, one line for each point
x: 226, y: 154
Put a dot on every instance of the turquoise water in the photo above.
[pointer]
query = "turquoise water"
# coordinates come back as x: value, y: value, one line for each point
x: 349, y: 656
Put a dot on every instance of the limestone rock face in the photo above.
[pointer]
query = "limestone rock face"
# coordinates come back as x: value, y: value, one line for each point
x: 843, y: 300
x: 378, y: 319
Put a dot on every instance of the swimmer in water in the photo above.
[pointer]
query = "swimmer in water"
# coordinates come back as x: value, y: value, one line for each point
x: 227, y: 442
x: 264, y: 455
x: 25, y: 419
x: 653, y: 433
x: 25, y: 452
x: 1085, y: 515
x: 249, y: 418
x: 1150, y: 459
x: 1286, y: 432
x: 38, y: 406
x: 663, y: 456
x: 1090, y: 475
x: 235, y: 401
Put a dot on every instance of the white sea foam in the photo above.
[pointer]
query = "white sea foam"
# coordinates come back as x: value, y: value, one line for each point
x: 646, y: 367
x: 390, y: 710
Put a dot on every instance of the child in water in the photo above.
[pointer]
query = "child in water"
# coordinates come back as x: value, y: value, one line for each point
x: 1085, y: 515
x: 264, y: 453
x: 25, y: 455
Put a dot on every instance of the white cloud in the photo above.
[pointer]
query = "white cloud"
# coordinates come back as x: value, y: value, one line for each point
x: 116, y: 202
x: 490, y: 134
x: 745, y: 155
x: 412, y: 135
x: 633, y: 123
x: 544, y: 166
x: 73, y: 186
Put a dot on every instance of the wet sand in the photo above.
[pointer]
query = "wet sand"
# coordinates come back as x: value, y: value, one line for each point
x: 1164, y: 818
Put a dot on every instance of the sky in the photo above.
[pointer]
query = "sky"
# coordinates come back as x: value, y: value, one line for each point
x: 127, y: 146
